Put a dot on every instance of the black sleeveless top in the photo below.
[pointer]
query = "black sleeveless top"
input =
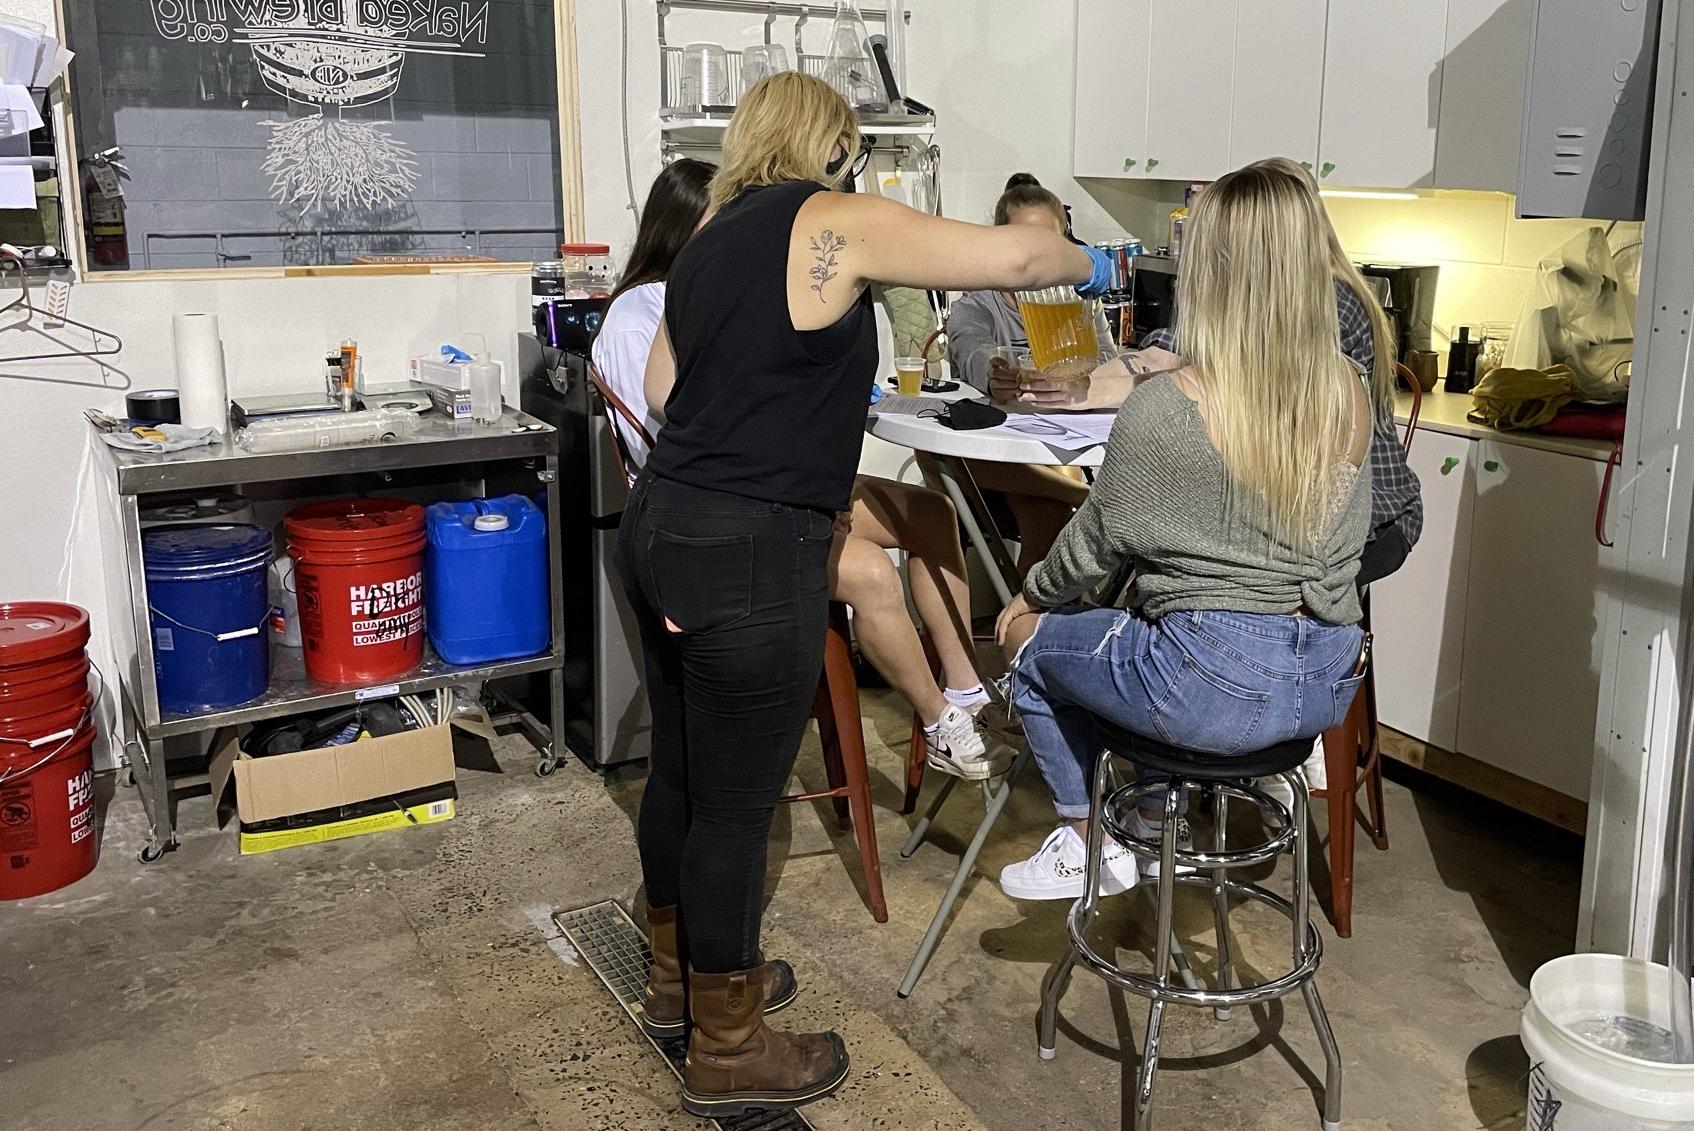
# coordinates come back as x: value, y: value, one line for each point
x: 761, y: 409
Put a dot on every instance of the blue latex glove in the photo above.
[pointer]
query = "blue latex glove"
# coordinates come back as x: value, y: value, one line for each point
x: 1101, y: 280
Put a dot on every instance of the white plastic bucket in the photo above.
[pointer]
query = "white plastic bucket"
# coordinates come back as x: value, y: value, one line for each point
x: 1578, y: 1085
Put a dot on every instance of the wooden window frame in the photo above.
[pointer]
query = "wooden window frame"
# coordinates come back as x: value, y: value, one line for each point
x: 570, y: 188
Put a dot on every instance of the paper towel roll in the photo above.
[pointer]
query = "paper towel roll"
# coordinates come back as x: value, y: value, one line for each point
x: 200, y: 371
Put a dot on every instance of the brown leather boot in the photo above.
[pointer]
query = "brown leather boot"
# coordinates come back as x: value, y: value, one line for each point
x: 664, y: 1006
x: 737, y: 1064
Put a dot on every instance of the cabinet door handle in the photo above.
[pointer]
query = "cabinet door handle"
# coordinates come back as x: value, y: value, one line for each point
x: 1152, y: 163
x: 1491, y: 465
x: 1306, y: 165
x: 1326, y: 168
x: 1449, y: 464
x: 1129, y: 163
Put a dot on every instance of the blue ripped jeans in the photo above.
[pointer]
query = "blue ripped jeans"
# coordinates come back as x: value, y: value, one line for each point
x: 1224, y: 683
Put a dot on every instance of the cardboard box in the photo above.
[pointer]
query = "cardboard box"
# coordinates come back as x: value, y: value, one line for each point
x: 404, y: 771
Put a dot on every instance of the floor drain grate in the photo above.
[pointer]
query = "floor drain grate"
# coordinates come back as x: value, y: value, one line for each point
x: 615, y: 948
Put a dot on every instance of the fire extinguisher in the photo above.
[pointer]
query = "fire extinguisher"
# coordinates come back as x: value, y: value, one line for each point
x: 108, y: 237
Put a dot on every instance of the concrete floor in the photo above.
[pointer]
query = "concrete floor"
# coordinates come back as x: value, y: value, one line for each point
x: 410, y: 980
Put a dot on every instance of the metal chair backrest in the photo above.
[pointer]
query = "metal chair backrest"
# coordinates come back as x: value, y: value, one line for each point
x: 622, y: 414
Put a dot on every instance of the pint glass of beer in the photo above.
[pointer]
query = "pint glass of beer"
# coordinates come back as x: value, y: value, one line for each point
x: 1060, y: 328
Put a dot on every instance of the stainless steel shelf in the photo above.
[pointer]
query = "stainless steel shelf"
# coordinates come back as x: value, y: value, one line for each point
x: 697, y: 125
x: 439, y: 441
x: 518, y: 449
x: 291, y: 692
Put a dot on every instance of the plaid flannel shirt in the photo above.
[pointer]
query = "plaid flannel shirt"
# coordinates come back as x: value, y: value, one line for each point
x: 1396, y: 498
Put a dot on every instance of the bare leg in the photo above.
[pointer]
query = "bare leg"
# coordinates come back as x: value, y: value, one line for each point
x: 862, y: 577
x: 903, y: 516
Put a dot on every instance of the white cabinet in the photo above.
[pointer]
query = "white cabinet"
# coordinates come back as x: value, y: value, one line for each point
x: 1188, y: 94
x: 1418, y: 613
x: 1483, y: 79
x: 1278, y: 81
x: 1488, y: 639
x: 1382, y: 92
x: 1535, y: 599
x: 1113, y: 45
x: 1414, y: 93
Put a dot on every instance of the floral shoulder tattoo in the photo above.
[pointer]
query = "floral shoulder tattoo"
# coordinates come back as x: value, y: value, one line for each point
x: 825, y: 246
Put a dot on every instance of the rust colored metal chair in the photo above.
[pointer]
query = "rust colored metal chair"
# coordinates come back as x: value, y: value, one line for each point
x: 836, y: 708
x: 1352, y: 754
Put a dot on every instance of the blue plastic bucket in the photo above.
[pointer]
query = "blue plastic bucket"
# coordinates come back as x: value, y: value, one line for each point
x: 485, y: 580
x: 206, y: 597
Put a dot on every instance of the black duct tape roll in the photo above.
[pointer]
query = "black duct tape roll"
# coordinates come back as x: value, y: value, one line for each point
x: 153, y: 406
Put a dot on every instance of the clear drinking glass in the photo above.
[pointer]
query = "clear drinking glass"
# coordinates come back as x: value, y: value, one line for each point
x: 1060, y: 326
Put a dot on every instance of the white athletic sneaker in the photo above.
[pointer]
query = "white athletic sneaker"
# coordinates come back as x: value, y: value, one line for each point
x: 1317, y: 776
x: 956, y: 747
x: 1057, y: 869
x: 1153, y: 830
x: 1317, y: 770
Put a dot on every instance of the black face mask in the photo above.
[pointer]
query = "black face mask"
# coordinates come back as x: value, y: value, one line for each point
x: 835, y: 165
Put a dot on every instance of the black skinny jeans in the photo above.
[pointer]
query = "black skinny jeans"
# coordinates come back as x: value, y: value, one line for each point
x: 747, y: 583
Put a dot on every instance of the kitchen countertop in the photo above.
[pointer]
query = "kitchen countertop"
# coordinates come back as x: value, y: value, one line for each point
x: 1446, y: 412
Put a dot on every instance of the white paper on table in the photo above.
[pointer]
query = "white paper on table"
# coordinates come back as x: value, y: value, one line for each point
x: 1074, y: 433
x: 17, y: 187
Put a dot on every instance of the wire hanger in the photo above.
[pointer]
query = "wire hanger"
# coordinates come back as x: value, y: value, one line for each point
x: 10, y: 255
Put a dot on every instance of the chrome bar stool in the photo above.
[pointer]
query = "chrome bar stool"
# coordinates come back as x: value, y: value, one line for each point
x: 1172, y: 770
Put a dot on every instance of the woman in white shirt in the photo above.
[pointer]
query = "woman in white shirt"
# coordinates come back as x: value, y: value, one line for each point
x: 676, y: 206
x: 886, y: 515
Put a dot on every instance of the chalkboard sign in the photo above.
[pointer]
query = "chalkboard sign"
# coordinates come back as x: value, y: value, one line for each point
x: 294, y: 132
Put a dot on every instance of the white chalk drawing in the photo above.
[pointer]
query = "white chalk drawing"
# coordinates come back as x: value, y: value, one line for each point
x: 333, y: 55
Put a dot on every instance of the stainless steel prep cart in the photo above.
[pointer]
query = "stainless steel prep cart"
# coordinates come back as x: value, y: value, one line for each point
x: 443, y: 460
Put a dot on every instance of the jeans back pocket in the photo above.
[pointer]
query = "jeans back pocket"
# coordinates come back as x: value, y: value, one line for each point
x: 1201, y: 711
x: 1344, y: 691
x: 702, y: 584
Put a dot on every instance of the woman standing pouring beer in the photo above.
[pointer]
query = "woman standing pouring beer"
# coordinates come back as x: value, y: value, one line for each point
x: 764, y: 366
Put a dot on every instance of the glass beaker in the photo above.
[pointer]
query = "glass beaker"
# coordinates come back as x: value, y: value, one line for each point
x: 705, y: 76
x: 761, y: 61
x: 847, y: 64
x: 1059, y: 324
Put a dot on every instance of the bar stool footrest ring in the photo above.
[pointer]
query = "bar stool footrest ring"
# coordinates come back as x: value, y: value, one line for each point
x: 1149, y: 987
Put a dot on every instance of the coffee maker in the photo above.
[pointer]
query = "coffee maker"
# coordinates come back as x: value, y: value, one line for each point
x: 606, y: 717
x: 1407, y: 295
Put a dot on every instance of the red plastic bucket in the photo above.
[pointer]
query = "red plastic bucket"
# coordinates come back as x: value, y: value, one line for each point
x: 358, y: 570
x: 38, y: 632
x: 48, y: 837
x: 65, y: 716
x: 48, y: 680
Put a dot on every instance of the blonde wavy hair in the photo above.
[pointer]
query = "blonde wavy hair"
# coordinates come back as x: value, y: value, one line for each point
x: 1256, y: 319
x: 784, y: 129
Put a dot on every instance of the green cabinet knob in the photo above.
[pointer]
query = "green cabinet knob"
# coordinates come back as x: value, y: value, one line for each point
x: 1129, y: 163
x: 1152, y: 163
x: 1326, y: 168
x: 1306, y: 165
x: 1491, y: 465
x: 1448, y: 466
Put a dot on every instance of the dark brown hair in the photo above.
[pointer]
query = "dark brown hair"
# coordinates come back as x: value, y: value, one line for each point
x: 675, y: 204
x: 1024, y: 191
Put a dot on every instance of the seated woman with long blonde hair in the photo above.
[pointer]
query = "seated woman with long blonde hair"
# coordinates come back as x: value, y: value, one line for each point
x: 1237, y: 488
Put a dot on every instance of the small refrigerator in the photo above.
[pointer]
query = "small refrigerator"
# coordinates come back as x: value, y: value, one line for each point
x: 606, y: 717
